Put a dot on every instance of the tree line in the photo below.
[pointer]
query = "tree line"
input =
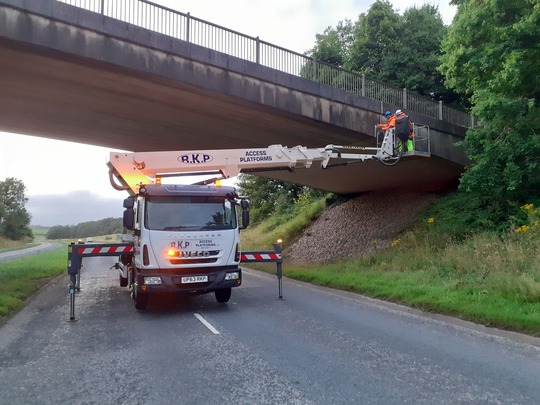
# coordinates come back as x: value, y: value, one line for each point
x: 83, y: 230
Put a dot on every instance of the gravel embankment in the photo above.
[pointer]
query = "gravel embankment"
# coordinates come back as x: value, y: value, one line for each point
x: 358, y: 227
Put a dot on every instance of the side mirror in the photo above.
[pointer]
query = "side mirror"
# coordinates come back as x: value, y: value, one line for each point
x: 129, y: 202
x: 245, y: 213
x: 128, y: 219
x: 245, y: 219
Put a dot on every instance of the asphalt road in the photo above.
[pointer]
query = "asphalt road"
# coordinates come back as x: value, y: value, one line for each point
x: 17, y: 254
x: 315, y: 346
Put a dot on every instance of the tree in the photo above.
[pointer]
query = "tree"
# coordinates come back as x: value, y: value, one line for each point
x: 14, y: 218
x: 376, y: 35
x: 333, y: 45
x: 492, y: 52
x: 418, y: 56
x: 402, y: 51
x: 268, y: 196
x: 332, y: 49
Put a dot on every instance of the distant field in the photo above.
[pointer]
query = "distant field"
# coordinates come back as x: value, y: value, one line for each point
x: 40, y: 232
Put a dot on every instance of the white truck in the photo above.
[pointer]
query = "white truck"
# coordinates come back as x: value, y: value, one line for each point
x: 185, y: 238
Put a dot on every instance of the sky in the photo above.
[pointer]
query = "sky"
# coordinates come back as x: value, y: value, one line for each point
x: 67, y: 183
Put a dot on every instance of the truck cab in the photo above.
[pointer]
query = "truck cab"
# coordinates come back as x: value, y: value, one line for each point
x: 186, y: 239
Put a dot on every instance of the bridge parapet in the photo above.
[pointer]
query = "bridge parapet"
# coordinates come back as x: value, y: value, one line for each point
x: 199, y: 32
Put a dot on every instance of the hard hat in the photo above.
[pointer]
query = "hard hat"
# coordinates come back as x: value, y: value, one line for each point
x: 398, y: 112
x: 387, y: 113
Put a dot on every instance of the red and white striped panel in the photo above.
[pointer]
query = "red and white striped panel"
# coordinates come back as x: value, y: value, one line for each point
x: 104, y: 250
x: 245, y: 257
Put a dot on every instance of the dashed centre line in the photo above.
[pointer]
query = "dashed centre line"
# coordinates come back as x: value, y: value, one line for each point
x: 206, y: 323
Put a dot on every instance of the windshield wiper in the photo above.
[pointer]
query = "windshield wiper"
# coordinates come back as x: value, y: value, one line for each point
x: 178, y: 228
x: 209, y: 227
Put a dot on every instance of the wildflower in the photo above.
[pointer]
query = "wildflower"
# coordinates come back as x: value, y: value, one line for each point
x: 522, y: 229
x: 395, y: 243
x: 530, y: 209
x: 431, y: 220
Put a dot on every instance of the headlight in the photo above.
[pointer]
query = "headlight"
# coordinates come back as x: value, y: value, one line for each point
x: 232, y: 276
x: 152, y: 280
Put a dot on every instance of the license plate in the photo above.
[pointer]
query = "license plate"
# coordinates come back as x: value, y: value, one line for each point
x: 194, y: 279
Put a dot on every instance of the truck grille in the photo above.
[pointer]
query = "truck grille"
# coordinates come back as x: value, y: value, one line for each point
x: 193, y: 261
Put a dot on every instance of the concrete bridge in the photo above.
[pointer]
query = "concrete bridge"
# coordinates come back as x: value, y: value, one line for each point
x: 72, y: 74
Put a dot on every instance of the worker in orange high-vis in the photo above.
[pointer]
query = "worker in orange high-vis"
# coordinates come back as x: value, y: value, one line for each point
x: 404, y: 130
x: 390, y: 122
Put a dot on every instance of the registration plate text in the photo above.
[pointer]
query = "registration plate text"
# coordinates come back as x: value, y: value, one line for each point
x: 194, y: 279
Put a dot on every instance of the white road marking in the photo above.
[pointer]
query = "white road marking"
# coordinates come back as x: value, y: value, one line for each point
x: 205, y: 323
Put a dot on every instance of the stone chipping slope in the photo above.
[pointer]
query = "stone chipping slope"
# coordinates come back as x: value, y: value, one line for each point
x: 358, y: 227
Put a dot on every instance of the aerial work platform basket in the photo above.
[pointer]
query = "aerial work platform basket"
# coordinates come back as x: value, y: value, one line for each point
x: 420, y: 140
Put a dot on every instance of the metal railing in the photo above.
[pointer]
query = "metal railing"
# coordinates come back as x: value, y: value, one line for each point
x: 191, y: 29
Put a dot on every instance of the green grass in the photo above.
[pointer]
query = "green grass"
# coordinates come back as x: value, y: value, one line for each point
x: 500, y: 301
x: 39, y: 232
x: 7, y: 245
x: 486, y: 279
x: 286, y: 226
x: 21, y: 278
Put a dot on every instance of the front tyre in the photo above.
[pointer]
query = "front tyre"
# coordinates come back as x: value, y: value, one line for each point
x: 223, y: 295
x: 140, y: 300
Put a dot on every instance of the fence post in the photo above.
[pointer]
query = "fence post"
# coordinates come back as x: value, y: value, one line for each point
x: 404, y: 98
x: 188, y: 22
x: 440, y: 109
x: 102, y: 7
x: 314, y: 70
x: 258, y: 50
x: 363, y: 85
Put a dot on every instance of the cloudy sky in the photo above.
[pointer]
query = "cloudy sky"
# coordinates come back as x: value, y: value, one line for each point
x: 67, y: 183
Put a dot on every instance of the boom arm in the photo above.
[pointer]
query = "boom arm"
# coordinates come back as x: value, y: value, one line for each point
x: 138, y: 168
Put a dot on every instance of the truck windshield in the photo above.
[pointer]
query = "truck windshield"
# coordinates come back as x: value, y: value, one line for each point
x: 189, y: 214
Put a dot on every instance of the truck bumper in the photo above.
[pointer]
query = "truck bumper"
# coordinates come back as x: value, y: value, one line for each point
x: 176, y: 280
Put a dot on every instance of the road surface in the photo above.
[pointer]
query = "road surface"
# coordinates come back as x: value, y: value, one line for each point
x: 315, y: 346
x: 17, y: 254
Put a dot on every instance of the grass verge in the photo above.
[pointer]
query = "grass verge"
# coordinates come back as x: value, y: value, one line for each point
x: 21, y: 278
x: 487, y: 279
x: 7, y: 245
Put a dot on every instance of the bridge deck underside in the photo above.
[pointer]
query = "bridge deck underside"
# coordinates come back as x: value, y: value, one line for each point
x: 54, y: 95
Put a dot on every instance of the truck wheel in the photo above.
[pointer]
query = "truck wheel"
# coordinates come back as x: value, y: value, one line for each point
x: 123, y: 281
x: 140, y: 300
x: 223, y: 294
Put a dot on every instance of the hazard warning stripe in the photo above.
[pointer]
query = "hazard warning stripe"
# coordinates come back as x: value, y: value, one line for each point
x: 244, y: 257
x: 104, y: 250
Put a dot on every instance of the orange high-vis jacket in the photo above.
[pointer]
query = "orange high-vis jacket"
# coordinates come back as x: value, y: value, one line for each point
x: 411, y: 133
x: 389, y: 124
